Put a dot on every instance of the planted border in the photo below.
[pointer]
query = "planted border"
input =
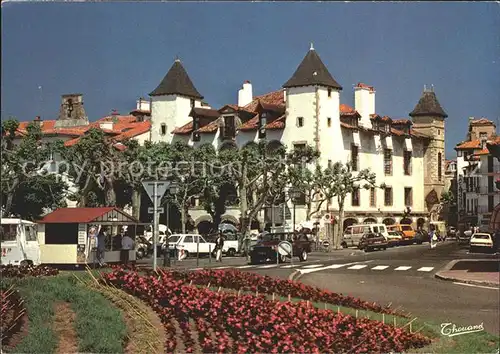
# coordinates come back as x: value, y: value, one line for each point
x: 99, y: 325
x: 249, y: 323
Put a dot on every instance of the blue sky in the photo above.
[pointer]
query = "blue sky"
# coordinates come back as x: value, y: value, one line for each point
x: 114, y: 53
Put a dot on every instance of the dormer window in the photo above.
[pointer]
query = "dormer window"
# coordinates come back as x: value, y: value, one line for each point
x: 163, y: 129
x: 355, y: 122
x: 262, y: 125
x: 229, y: 127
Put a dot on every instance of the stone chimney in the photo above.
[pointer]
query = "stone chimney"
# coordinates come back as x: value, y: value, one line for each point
x: 72, y: 113
x: 364, y: 102
x: 245, y: 95
x: 38, y: 121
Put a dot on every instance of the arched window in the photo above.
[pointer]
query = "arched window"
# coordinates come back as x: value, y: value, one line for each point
x: 439, y: 166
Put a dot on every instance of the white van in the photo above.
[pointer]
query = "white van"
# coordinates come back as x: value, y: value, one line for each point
x: 352, y: 234
x: 19, y: 242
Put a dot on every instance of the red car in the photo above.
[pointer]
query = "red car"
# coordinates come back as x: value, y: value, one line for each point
x: 371, y: 241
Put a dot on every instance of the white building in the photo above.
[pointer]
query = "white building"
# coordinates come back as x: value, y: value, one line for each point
x: 406, y: 154
x: 477, y: 171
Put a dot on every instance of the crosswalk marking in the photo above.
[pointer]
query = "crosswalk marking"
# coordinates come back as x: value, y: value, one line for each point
x: 380, y: 267
x: 357, y: 266
x: 403, y: 268
x: 425, y: 269
x: 336, y: 266
x: 312, y: 266
x: 291, y: 266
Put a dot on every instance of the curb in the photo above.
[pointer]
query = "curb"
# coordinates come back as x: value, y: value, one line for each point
x: 294, y: 274
x: 472, y: 282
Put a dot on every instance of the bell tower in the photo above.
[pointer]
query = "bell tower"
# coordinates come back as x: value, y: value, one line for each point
x: 71, y: 113
x: 429, y: 119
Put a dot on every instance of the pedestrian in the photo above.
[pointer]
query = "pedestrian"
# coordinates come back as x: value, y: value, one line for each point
x: 127, y: 246
x: 219, y: 245
x: 101, y: 246
x: 432, y: 237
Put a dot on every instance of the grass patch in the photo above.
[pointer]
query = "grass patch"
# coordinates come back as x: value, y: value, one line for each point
x: 99, y: 325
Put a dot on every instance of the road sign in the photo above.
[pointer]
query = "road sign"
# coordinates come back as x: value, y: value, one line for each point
x: 161, y: 188
x: 326, y: 244
x: 159, y: 210
x: 285, y: 248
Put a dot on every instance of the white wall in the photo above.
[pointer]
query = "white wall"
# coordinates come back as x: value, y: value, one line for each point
x: 171, y: 110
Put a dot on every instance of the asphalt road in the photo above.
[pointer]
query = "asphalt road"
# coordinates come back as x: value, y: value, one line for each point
x: 403, y: 276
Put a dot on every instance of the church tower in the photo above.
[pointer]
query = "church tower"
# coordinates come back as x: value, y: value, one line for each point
x: 171, y: 103
x: 429, y: 119
x: 71, y: 112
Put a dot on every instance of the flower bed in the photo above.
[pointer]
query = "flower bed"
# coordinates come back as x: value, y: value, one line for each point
x: 245, y: 281
x: 224, y: 322
x: 10, y: 271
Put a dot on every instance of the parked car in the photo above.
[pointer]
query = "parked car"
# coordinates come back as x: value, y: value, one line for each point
x: 406, y: 230
x: 189, y: 244
x: 395, y: 238
x: 371, y: 241
x: 143, y: 248
x: 230, y: 247
x: 266, y: 249
x: 421, y: 236
x: 352, y: 234
x: 481, y: 241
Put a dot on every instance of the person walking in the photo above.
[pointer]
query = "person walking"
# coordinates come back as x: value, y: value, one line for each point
x: 219, y: 245
x: 101, y: 245
x: 432, y: 237
x: 127, y: 246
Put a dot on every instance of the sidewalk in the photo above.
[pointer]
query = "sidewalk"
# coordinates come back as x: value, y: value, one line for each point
x: 477, y: 271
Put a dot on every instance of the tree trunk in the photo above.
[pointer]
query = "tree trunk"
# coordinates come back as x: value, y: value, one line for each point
x: 109, y: 193
x: 244, y: 224
x: 183, y: 218
x: 340, y: 225
x: 308, y: 211
x: 136, y: 203
x: 8, y: 204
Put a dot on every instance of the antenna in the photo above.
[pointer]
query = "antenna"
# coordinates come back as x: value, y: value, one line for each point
x: 40, y: 102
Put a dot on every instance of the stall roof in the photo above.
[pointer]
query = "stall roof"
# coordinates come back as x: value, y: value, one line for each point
x: 108, y: 215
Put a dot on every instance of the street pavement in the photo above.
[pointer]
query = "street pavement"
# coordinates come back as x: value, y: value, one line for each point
x: 403, y: 276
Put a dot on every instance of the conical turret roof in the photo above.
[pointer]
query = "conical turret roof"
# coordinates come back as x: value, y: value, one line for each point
x: 176, y: 82
x: 428, y: 105
x: 312, y: 71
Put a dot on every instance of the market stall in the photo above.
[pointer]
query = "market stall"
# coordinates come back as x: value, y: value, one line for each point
x: 69, y: 235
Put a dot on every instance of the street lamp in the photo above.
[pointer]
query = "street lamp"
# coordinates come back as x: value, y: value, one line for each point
x: 172, y: 190
x: 294, y: 195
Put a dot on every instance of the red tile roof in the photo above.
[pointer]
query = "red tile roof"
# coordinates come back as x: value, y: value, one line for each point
x: 471, y: 144
x: 79, y: 215
x: 362, y: 85
x: 186, y: 129
x: 275, y: 98
x: 136, y: 129
x: 278, y: 123
x: 210, y: 127
x: 251, y: 124
x: 492, y: 141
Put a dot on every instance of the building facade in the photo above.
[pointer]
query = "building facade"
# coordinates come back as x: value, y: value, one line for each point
x: 477, y: 171
x: 407, y: 155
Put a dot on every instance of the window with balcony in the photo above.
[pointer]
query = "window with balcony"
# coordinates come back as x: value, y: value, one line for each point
x: 387, y: 162
x: 388, y: 196
x: 408, y: 196
x: 407, y: 155
x: 440, y: 167
x: 300, y: 122
x: 373, y: 199
x: 354, y: 157
x: 355, y: 197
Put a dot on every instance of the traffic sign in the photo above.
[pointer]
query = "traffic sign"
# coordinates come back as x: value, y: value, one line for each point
x: 326, y: 244
x: 161, y: 188
x: 285, y: 248
x: 151, y: 210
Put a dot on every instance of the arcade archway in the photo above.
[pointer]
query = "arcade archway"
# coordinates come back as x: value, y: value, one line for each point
x: 348, y: 222
x: 369, y: 221
x: 389, y: 221
x: 405, y: 221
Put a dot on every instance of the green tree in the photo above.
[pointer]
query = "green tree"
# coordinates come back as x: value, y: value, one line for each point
x: 27, y: 189
x: 342, y: 181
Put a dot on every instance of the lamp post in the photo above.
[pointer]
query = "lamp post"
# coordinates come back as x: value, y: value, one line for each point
x: 172, y: 189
